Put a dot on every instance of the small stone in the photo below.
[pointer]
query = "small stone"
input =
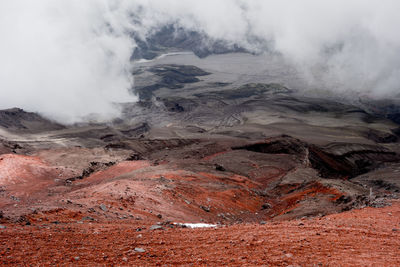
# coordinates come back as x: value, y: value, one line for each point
x: 87, y: 218
x: 77, y: 258
x: 289, y: 255
x: 206, y: 209
x: 395, y: 230
x: 103, y: 207
x: 266, y: 206
x: 156, y: 227
x: 140, y: 250
x: 263, y: 222
x: 139, y: 236
x: 159, y: 216
x: 2, y: 227
x: 219, y: 168
x: 125, y: 259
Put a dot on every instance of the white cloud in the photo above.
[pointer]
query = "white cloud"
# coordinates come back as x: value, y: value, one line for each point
x: 66, y: 59
x: 70, y: 58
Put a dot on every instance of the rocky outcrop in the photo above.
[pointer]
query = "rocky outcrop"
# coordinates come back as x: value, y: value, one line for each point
x: 336, y: 160
x: 16, y: 119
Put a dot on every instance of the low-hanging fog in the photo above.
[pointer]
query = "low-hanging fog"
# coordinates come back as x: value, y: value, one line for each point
x: 69, y: 59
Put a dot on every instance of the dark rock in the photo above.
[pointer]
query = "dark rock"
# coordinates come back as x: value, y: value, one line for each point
x: 172, y: 77
x: 206, y: 209
x: 219, y: 168
x: 94, y: 167
x: 380, y: 137
x: 23, y: 220
x: 91, y: 210
x: 108, y: 137
x: 134, y: 157
x: 344, y: 199
x: 138, y: 130
x: 18, y: 119
x: 266, y: 206
x: 335, y: 160
x: 173, y: 36
x: 117, y: 145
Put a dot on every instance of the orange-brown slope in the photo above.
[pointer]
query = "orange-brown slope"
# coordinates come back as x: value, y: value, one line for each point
x: 22, y: 176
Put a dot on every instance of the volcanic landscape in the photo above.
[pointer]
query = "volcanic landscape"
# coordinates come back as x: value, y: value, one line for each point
x: 225, y: 160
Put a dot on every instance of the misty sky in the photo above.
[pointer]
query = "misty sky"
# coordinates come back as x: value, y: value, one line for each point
x: 68, y: 58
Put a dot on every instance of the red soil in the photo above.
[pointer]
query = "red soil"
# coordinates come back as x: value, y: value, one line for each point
x: 23, y: 175
x: 291, y: 200
x: 366, y: 237
x: 115, y: 171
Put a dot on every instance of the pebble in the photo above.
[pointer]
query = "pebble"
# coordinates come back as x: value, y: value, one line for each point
x: 140, y: 250
x: 266, y: 206
x: 125, y: 259
x: 77, y: 258
x: 156, y: 227
x: 103, y: 207
x: 88, y: 218
x: 2, y: 227
x: 206, y: 209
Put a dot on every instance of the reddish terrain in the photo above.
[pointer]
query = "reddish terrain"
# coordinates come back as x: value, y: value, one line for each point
x: 366, y: 237
x: 100, y: 219
x: 273, y: 201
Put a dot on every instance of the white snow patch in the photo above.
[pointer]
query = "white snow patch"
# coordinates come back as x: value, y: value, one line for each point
x: 196, y: 225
